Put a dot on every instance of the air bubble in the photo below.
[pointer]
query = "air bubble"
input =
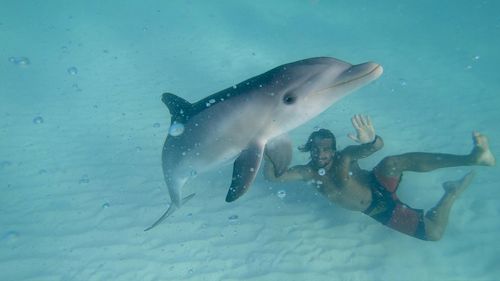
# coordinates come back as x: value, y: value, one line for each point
x: 72, y: 70
x: 84, y: 179
x: 176, y: 129
x: 281, y: 194
x: 20, y: 61
x: 38, y: 120
x: 321, y: 172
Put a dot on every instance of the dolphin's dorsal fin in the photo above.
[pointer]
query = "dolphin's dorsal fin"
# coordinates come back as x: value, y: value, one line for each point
x: 179, y: 108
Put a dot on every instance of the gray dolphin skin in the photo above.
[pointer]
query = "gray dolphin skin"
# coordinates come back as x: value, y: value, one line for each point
x: 234, y: 125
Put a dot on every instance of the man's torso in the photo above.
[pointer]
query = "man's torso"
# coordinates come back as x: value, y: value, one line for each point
x: 347, y: 186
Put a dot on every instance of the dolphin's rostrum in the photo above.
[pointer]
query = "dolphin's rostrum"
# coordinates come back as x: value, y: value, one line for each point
x: 235, y: 124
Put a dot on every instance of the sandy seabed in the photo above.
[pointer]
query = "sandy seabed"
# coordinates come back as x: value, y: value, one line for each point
x: 82, y: 127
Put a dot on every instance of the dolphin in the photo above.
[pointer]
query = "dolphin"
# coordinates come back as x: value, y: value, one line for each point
x: 235, y: 124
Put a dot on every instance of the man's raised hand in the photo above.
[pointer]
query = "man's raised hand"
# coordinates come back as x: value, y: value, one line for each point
x: 365, y: 132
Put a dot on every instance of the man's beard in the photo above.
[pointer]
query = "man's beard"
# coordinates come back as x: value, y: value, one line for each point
x: 322, y: 163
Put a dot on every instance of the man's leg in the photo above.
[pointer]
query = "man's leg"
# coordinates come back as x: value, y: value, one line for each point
x: 393, y: 166
x: 436, y: 219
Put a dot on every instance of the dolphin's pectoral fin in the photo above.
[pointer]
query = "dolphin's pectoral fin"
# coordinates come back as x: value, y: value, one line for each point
x: 279, y: 151
x: 179, y: 108
x: 171, y: 209
x: 244, y: 170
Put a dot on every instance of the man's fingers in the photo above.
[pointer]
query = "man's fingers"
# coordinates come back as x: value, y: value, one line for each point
x: 364, y: 129
x: 355, y: 123
x: 362, y: 120
x: 369, y: 121
x: 359, y: 121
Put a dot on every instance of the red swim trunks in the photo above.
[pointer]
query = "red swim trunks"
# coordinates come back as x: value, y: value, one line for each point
x: 390, y: 211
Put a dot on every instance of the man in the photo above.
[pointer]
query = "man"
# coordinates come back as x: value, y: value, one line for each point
x: 339, y: 178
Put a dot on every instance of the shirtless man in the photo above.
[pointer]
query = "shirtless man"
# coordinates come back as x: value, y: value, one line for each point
x: 339, y: 178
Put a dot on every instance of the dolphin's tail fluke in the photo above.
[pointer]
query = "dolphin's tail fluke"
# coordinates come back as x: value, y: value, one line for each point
x: 171, y: 209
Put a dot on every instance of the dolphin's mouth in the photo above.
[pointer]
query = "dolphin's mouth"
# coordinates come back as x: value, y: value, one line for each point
x: 359, y: 72
x: 358, y: 75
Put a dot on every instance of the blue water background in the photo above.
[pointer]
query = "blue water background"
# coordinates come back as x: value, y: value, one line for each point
x: 82, y: 125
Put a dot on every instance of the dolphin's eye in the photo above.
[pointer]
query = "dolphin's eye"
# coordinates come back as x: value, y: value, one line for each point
x: 289, y: 99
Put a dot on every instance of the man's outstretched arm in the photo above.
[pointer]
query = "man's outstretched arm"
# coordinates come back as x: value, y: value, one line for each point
x: 356, y: 152
x: 295, y: 173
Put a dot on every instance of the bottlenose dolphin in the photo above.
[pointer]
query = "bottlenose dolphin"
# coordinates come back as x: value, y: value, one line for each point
x: 236, y: 123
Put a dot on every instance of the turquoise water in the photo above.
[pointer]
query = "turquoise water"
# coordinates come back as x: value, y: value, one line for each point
x: 82, y: 128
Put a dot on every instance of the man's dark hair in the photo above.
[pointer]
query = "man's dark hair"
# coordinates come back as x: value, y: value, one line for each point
x: 322, y: 134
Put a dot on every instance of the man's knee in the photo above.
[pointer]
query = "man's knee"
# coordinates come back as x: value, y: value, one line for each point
x: 389, y: 166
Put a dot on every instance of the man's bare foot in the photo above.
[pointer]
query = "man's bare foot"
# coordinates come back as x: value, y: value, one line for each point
x: 455, y: 188
x: 482, y: 151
